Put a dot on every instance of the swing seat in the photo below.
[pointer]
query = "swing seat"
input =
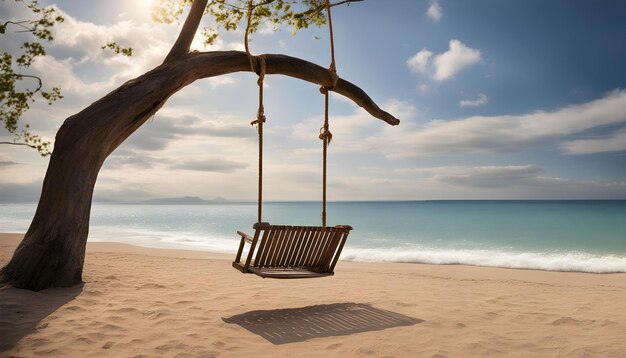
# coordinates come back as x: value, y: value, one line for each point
x: 291, y: 251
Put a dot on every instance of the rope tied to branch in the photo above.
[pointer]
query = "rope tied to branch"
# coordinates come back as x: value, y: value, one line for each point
x: 260, y: 115
x: 325, y: 134
x: 257, y: 65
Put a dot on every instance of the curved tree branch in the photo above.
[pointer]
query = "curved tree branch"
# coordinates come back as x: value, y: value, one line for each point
x: 209, y: 64
x: 18, y: 143
x: 170, y: 77
x: 27, y: 76
x: 323, y: 6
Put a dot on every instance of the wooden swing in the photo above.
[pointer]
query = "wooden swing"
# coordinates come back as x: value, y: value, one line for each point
x: 284, y: 251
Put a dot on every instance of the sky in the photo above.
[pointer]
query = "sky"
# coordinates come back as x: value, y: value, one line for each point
x: 497, y: 100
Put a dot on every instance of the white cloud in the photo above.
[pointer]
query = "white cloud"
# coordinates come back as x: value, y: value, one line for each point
x: 215, y: 82
x: 444, y: 65
x: 423, y: 88
x: 454, y: 60
x: 210, y: 164
x: 419, y: 62
x: 482, y: 99
x: 483, y: 176
x: 267, y: 28
x: 506, y: 182
x: 505, y: 133
x: 614, y: 143
x: 434, y: 11
x: 150, y: 43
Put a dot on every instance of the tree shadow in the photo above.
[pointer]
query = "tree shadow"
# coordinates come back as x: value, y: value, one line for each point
x: 291, y: 325
x: 22, y: 310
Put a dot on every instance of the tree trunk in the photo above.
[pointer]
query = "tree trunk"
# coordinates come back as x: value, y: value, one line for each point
x: 52, y: 252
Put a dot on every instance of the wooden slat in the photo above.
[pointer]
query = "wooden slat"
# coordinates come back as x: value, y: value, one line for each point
x: 280, y: 258
x: 262, y: 247
x: 309, y: 232
x: 330, y: 253
x: 320, y: 248
x: 271, y: 257
x: 239, y: 266
x: 308, y: 250
x: 253, y: 244
x: 304, y: 239
x: 331, y: 246
x: 329, y: 243
x: 295, y: 232
x: 315, y: 247
x: 275, y: 232
x: 287, y: 273
x: 283, y: 246
x: 297, y: 244
x: 344, y: 236
x: 238, y: 256
x: 261, y: 244
x: 245, y: 236
x: 267, y: 243
x: 324, y: 247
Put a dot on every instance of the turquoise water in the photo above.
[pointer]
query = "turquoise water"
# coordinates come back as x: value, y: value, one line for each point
x: 587, y: 236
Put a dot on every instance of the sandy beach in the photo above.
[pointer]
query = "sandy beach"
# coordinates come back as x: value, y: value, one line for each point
x: 142, y: 302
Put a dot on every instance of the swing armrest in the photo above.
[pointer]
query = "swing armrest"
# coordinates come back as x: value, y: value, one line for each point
x: 245, y: 237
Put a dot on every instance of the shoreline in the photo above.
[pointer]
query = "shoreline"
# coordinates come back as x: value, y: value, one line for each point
x: 574, y: 262
x: 160, y: 302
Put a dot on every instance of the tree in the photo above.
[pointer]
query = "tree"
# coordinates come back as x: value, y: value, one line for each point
x: 52, y: 252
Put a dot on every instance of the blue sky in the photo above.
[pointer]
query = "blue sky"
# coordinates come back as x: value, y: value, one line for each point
x: 498, y: 100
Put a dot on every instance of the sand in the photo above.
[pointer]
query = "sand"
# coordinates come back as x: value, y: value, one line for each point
x: 140, y: 302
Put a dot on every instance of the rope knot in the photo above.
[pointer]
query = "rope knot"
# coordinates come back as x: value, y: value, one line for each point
x: 260, y: 119
x: 334, y: 78
x: 333, y: 73
x: 261, y: 72
x: 325, y: 135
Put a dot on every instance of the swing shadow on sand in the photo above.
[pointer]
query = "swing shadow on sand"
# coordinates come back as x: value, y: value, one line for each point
x: 292, y: 325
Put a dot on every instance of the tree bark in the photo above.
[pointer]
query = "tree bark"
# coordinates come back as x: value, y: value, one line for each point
x: 52, y: 252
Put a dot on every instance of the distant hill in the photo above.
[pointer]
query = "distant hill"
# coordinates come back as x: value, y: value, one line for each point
x: 185, y: 200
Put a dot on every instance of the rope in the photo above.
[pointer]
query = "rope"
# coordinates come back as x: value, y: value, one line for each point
x: 325, y: 135
x: 260, y: 119
x: 332, y: 68
x: 257, y: 62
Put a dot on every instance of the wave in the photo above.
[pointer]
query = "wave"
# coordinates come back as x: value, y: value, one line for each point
x: 570, y: 261
x: 565, y: 261
x: 165, y: 240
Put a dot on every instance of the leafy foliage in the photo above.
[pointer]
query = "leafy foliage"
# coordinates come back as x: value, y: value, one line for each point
x: 17, y: 92
x: 229, y: 15
x: 126, y: 51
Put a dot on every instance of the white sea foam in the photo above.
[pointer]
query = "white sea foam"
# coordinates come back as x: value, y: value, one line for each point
x: 167, y: 240
x: 553, y: 261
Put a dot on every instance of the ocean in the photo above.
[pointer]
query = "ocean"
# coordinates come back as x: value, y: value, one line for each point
x: 584, y: 236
